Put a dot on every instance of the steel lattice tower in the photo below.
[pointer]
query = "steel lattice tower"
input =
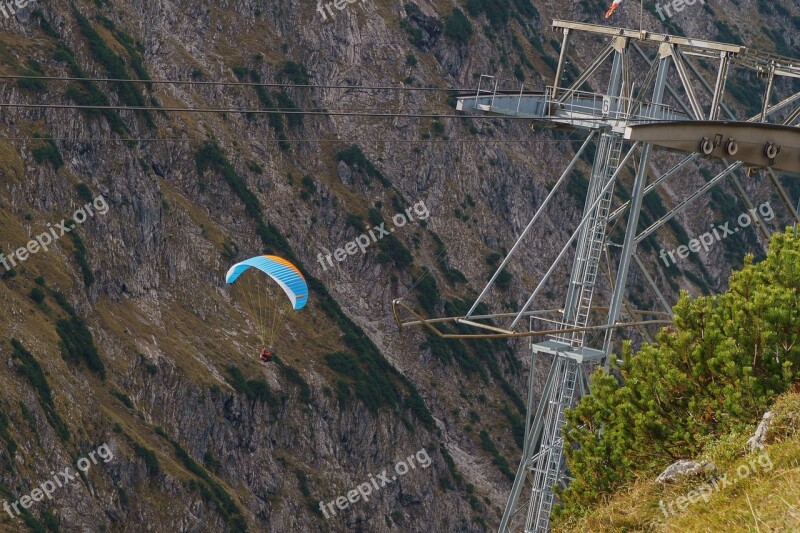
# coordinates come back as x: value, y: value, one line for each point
x: 622, y: 120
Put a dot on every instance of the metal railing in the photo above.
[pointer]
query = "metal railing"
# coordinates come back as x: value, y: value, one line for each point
x: 602, y: 106
x: 572, y: 103
x: 499, y: 85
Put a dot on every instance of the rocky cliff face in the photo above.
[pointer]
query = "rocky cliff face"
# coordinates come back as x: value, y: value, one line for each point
x: 125, y: 334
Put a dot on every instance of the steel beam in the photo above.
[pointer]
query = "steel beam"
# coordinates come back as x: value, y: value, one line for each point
x: 699, y: 45
x: 628, y: 247
x: 737, y: 185
x: 752, y: 140
x: 630, y: 243
x: 694, y: 196
x: 784, y: 195
x: 532, y: 221
x: 653, y: 286
x: 561, y: 58
x: 768, y: 92
x: 668, y: 174
x: 680, y: 67
x: 670, y: 90
x: 777, y: 107
x: 593, y: 66
x: 574, y: 236
x: 531, y: 438
x: 719, y: 88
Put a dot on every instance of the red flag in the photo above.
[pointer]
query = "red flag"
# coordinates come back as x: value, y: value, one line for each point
x: 613, y: 7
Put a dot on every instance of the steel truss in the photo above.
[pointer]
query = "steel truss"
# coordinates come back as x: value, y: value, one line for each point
x: 641, y: 118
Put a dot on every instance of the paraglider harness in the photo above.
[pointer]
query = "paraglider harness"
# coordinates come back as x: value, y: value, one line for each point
x: 266, y: 355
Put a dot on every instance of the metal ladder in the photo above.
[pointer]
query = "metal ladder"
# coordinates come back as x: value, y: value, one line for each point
x: 546, y: 466
x: 591, y: 245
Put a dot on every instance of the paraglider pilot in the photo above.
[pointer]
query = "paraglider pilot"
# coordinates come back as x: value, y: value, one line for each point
x: 288, y: 277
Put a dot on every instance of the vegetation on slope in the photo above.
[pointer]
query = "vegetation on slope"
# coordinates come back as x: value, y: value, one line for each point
x: 114, y: 65
x: 762, y: 492
x: 88, y: 94
x: 77, y: 342
x: 30, y: 368
x: 715, y: 372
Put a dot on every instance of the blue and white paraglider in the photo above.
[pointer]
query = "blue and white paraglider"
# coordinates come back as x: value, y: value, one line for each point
x: 257, y: 281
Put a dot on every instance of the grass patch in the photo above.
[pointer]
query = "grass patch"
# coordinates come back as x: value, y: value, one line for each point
x: 766, y: 496
x: 370, y: 385
x: 124, y: 398
x: 254, y: 389
x: 275, y: 120
x: 114, y: 65
x: 354, y: 158
x: 214, y: 491
x: 86, y: 93
x: 32, y: 68
x: 498, y: 460
x: 48, y: 153
x: 11, y: 445
x: 77, y: 342
x: 149, y: 456
x: 391, y: 249
x: 81, y: 258
x: 30, y: 368
x: 295, y: 72
x: 294, y: 377
x: 453, y: 275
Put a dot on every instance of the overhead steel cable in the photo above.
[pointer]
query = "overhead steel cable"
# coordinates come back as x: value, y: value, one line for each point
x: 259, y: 111
x: 295, y: 111
x: 235, y: 83
x: 365, y: 141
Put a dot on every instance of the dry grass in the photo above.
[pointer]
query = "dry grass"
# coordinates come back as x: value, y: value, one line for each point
x: 764, y: 500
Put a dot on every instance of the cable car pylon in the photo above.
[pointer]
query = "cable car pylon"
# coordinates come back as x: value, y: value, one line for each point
x: 662, y: 109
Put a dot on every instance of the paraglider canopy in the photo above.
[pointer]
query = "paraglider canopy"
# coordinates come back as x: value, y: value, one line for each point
x: 256, y: 281
x: 282, y: 271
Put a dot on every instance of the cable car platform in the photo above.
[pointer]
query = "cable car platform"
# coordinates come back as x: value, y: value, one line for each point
x: 564, y: 349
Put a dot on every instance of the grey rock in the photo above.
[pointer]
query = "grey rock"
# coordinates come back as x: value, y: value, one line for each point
x: 685, y: 467
x: 759, y: 439
x: 345, y: 174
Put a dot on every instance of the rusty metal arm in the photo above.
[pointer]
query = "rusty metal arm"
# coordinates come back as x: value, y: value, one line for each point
x: 428, y: 323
